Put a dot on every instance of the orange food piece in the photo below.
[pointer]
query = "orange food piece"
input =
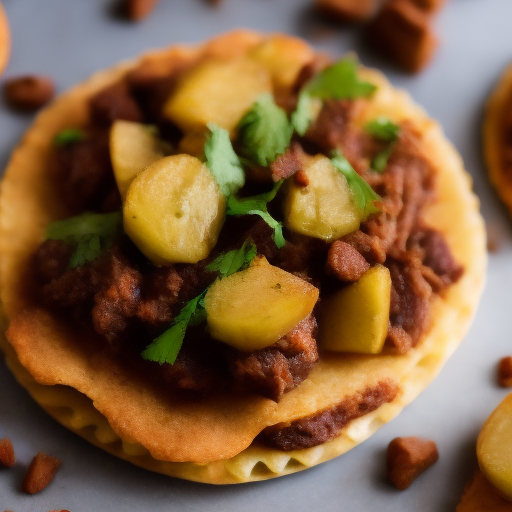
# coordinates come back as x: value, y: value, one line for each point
x: 480, y: 496
x: 407, y: 458
x: 429, y: 5
x: 7, y: 457
x: 137, y: 10
x: 5, y: 39
x: 347, y: 10
x: 402, y: 31
x: 505, y: 372
x: 40, y: 473
x: 497, y: 138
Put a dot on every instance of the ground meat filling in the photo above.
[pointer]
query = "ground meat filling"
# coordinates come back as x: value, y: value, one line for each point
x: 128, y: 302
x: 326, y: 425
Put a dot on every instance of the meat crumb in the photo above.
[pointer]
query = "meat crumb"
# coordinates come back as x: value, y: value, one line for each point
x: 40, y: 473
x: 347, y: 10
x: 301, y: 178
x: 407, y: 458
x: 28, y: 92
x: 137, y: 10
x: 402, y: 31
x: 505, y: 372
x: 7, y: 457
x: 345, y: 262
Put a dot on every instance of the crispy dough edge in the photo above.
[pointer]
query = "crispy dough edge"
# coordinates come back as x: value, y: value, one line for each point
x: 5, y: 39
x: 491, y: 136
x: 452, y: 317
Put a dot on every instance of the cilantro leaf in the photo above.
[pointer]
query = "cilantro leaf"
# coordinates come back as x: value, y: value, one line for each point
x: 233, y: 261
x: 264, y: 132
x: 166, y: 347
x: 90, y: 232
x: 384, y: 129
x: 257, y: 205
x: 68, y: 136
x: 339, y: 81
x: 222, y: 161
x: 364, y: 195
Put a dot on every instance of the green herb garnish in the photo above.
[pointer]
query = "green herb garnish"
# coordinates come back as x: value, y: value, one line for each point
x: 68, y: 136
x: 222, y: 161
x: 339, y: 81
x: 90, y: 232
x: 364, y: 195
x: 166, y: 347
x: 264, y: 132
x: 257, y: 205
x: 384, y: 129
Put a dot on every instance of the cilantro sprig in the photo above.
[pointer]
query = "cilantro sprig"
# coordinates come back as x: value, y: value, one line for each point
x: 339, y: 81
x: 257, y: 205
x: 364, y: 195
x: 383, y: 129
x: 91, y: 233
x: 264, y: 132
x: 68, y: 136
x: 222, y: 161
x: 166, y: 347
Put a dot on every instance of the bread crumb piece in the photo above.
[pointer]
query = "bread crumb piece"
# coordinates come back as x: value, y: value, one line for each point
x: 7, y: 457
x: 402, y: 31
x: 137, y: 10
x: 40, y: 473
x: 429, y: 6
x: 347, y: 10
x: 505, y: 372
x: 407, y: 458
x: 28, y: 92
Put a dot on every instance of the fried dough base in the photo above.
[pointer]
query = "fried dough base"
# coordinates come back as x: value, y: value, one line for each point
x: 5, y: 39
x: 212, y: 441
x: 498, y: 101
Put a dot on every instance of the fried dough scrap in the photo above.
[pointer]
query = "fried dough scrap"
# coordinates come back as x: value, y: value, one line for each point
x: 407, y: 458
x: 480, y: 496
x: 7, y: 456
x: 347, y: 10
x: 402, y: 31
x: 40, y: 473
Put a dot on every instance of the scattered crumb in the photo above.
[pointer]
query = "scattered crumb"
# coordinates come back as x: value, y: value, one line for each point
x: 137, y: 10
x: 347, y: 10
x: 505, y: 372
x: 28, y: 92
x: 7, y: 457
x: 429, y: 6
x: 407, y: 458
x: 480, y: 496
x: 214, y: 2
x: 493, y: 239
x: 402, y: 31
x: 40, y: 473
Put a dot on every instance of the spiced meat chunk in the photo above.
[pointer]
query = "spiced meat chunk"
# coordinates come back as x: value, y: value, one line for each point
x: 345, y: 262
x: 326, y: 425
x: 287, y: 164
x: 275, y: 370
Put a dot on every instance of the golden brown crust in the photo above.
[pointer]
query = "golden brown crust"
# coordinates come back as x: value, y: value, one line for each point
x: 5, y: 39
x: 498, y: 106
x: 213, y: 442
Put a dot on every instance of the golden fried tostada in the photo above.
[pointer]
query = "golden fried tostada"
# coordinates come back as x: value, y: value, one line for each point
x: 496, y: 137
x: 343, y: 398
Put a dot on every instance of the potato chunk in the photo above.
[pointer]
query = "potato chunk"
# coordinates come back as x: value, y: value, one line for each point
x: 174, y: 210
x: 494, y: 447
x: 356, y: 318
x: 325, y: 208
x: 253, y: 308
x: 219, y: 92
x: 133, y: 147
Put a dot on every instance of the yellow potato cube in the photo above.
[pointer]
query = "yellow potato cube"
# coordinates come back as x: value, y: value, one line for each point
x: 133, y: 147
x: 253, y: 308
x: 284, y: 57
x: 325, y: 208
x: 494, y: 447
x: 356, y: 318
x: 217, y: 91
x: 174, y: 210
